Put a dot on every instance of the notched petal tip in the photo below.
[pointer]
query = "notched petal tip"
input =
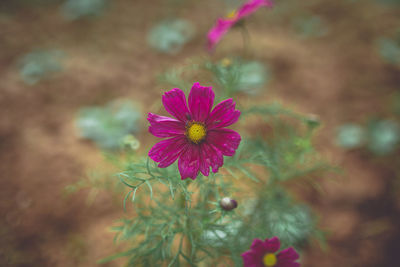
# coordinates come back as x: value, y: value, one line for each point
x: 167, y: 151
x: 273, y: 244
x: 288, y: 254
x: 161, y: 126
x: 189, y: 162
x: 223, y: 115
x: 224, y: 140
x: 175, y: 103
x: 201, y: 100
x: 249, y: 259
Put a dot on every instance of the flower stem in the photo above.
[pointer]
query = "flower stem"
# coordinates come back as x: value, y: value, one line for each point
x: 246, y: 39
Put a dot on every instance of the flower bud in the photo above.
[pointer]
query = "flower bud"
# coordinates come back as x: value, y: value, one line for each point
x: 313, y: 121
x: 130, y: 142
x: 228, y: 204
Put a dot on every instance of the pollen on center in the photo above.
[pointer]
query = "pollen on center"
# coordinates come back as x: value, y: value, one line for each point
x: 196, y: 132
x: 232, y: 14
x: 269, y: 260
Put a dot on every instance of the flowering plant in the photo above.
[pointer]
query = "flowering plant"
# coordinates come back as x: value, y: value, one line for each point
x: 264, y: 254
x: 197, y: 135
x: 224, y: 24
x: 206, y: 222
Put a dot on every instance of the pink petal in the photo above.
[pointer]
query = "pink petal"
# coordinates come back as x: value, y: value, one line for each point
x: 287, y: 264
x: 175, y: 103
x: 218, y: 31
x: 189, y: 162
x: 201, y: 100
x: 252, y: 6
x: 161, y: 126
x: 272, y: 245
x: 224, y: 140
x: 258, y: 247
x: 288, y: 254
x: 210, y: 156
x: 251, y: 260
x: 223, y: 115
x: 223, y: 25
x: 167, y: 151
x: 215, y: 157
x: 204, y: 162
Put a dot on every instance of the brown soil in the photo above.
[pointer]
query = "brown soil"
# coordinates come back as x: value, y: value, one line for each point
x: 339, y: 77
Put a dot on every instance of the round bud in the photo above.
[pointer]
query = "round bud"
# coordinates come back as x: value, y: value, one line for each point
x: 313, y: 121
x: 228, y: 204
x: 130, y: 142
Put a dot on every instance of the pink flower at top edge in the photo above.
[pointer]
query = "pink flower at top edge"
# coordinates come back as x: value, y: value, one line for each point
x: 224, y: 24
x: 264, y: 254
x: 197, y: 135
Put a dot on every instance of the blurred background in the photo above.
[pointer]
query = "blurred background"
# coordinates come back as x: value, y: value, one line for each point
x: 78, y: 76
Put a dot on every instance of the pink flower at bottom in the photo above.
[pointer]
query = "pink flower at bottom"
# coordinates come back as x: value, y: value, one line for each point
x: 264, y: 254
x: 197, y: 135
x: 224, y: 24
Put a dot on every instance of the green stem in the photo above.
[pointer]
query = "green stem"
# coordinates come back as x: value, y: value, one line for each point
x: 246, y: 39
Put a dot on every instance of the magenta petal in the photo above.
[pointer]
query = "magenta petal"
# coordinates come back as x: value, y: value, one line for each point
x: 225, y: 140
x: 210, y: 157
x: 205, y: 162
x: 272, y: 245
x: 214, y: 156
x: 251, y: 260
x: 288, y: 254
x: 201, y: 100
x: 223, y: 115
x: 175, y: 103
x: 252, y: 6
x: 161, y: 126
x: 258, y: 247
x: 189, y: 162
x: 223, y: 25
x: 220, y: 29
x: 287, y: 264
x: 167, y: 151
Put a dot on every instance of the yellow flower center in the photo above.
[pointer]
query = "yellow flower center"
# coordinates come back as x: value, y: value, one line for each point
x: 269, y: 259
x: 196, y: 132
x: 226, y: 62
x: 231, y: 15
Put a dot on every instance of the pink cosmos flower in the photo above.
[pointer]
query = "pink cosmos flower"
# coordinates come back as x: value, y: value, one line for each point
x: 197, y: 135
x: 224, y: 24
x: 263, y: 254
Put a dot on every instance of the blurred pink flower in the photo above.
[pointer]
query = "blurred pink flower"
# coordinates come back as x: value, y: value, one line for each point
x: 224, y: 24
x: 197, y: 135
x: 263, y: 254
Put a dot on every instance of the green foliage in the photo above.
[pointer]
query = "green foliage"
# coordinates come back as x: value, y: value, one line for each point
x: 230, y: 75
x: 108, y: 126
x: 102, y: 179
x: 179, y: 222
x: 273, y: 213
x: 170, y: 36
x: 235, y: 75
x: 39, y: 64
x: 310, y: 26
x: 286, y: 154
x: 384, y: 136
x: 396, y: 103
x: 350, y: 136
x: 75, y: 9
x: 389, y: 50
x: 176, y: 77
x: 170, y: 220
x: 380, y: 136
